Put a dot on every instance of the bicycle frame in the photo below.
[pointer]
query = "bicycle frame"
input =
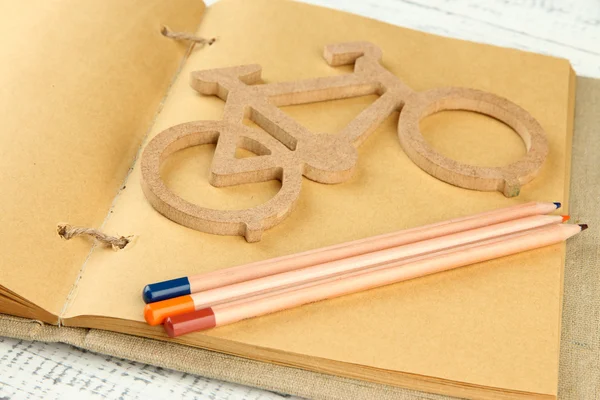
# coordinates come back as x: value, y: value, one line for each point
x: 291, y: 151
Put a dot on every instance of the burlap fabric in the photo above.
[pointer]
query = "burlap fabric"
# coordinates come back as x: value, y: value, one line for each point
x: 580, y: 342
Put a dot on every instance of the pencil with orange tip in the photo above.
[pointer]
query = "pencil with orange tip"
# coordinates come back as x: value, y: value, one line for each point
x: 228, y: 313
x: 155, y: 313
x: 187, y: 285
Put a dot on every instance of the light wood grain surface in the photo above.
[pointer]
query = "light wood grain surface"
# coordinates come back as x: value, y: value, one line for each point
x: 562, y: 28
x: 567, y: 28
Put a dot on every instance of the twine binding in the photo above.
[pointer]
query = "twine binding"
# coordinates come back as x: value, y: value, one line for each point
x: 67, y: 232
x: 186, y: 36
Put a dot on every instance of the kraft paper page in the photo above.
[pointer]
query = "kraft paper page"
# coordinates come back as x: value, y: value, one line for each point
x: 495, y: 324
x: 81, y: 83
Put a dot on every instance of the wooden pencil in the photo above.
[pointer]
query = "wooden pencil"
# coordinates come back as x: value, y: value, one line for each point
x: 228, y: 313
x: 192, y: 284
x: 155, y: 313
x: 186, y: 323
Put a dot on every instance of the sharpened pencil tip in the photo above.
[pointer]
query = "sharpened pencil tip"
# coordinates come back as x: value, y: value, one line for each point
x: 583, y: 226
x: 565, y: 218
x: 557, y: 204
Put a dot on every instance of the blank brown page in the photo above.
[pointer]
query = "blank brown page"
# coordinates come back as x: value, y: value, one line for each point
x: 81, y: 82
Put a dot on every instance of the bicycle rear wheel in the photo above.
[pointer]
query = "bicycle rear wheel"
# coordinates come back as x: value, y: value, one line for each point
x: 250, y: 222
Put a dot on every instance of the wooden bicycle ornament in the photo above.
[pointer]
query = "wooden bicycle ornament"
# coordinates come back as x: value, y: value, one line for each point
x: 291, y: 151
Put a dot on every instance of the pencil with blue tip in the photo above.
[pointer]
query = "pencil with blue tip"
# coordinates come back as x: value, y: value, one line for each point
x: 192, y: 284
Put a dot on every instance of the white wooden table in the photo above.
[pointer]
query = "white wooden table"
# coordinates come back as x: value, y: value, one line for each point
x: 564, y: 28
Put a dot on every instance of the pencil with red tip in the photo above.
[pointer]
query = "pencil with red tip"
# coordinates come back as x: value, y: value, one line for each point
x: 191, y: 284
x: 231, y: 312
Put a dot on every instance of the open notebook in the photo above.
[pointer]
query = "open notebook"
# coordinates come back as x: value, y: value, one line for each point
x: 81, y: 99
